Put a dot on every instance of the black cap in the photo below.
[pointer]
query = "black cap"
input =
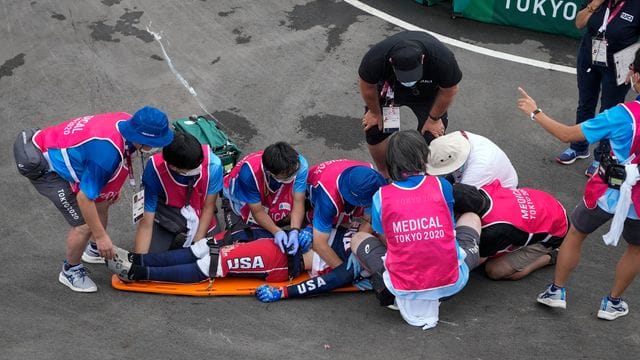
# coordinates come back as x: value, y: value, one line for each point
x: 406, y: 59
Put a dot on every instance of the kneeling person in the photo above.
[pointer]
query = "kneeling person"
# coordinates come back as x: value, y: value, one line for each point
x: 181, y: 187
x: 521, y: 228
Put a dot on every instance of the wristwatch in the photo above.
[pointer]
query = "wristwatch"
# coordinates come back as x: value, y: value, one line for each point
x: 534, y: 113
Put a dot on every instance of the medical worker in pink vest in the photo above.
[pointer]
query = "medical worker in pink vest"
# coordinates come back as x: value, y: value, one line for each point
x: 340, y: 191
x: 611, y: 193
x: 185, y: 180
x: 521, y: 228
x: 88, y: 160
x: 428, y: 257
x: 266, y: 190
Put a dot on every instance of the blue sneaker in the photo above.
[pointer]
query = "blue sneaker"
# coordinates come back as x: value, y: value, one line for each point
x: 610, y: 310
x: 592, y: 169
x: 569, y: 156
x: 77, y: 279
x: 553, y: 298
x: 91, y: 255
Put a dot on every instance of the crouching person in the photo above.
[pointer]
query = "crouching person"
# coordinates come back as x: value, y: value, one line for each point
x: 181, y: 187
x: 427, y: 257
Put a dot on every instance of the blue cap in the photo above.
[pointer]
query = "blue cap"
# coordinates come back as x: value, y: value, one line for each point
x: 148, y: 126
x: 358, y: 184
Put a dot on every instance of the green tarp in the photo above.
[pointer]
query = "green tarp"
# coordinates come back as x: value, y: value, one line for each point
x: 551, y: 16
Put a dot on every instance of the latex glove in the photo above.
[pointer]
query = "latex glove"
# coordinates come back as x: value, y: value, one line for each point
x: 363, y: 284
x: 305, y: 239
x: 266, y: 293
x: 280, y: 239
x: 354, y: 265
x: 292, y: 242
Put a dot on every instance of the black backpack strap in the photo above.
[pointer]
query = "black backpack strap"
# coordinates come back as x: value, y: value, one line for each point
x: 214, y: 254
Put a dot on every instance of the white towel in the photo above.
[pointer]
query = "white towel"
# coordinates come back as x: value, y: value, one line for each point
x: 192, y: 224
x: 622, y: 208
x: 419, y: 312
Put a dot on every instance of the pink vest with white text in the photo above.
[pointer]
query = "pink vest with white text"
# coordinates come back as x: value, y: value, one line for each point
x: 175, y: 193
x: 80, y: 130
x: 532, y: 211
x: 277, y: 203
x: 421, y: 246
x: 326, y: 175
x: 596, y: 186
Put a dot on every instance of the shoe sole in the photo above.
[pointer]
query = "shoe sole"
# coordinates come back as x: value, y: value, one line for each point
x: 559, y: 304
x: 63, y: 280
x: 92, y: 259
x: 605, y: 315
x: 569, y: 162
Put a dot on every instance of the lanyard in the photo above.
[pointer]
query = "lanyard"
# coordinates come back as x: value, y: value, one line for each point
x: 607, y: 18
x: 132, y: 180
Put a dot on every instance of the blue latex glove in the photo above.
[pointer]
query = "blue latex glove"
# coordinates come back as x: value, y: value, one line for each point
x: 266, y: 293
x: 280, y: 239
x: 354, y: 265
x: 292, y: 242
x: 363, y: 284
x: 305, y: 239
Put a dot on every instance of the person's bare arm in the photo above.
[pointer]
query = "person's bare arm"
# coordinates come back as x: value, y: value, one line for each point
x: 561, y: 131
x: 207, y: 214
x: 91, y: 217
x: 262, y: 218
x: 373, y: 116
x: 443, y: 100
x: 142, y: 241
x: 297, y: 212
x: 583, y: 15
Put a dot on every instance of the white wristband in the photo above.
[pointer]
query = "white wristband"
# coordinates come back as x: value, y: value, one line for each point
x: 534, y: 113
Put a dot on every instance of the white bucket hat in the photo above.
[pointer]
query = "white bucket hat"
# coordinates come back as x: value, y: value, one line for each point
x: 448, y: 153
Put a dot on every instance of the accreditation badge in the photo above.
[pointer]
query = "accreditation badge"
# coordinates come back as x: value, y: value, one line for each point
x: 138, y: 206
x: 599, y: 51
x: 390, y: 119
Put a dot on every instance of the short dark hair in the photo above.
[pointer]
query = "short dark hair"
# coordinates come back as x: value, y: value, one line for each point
x: 280, y: 159
x: 407, y: 154
x: 184, y: 152
x: 636, y: 62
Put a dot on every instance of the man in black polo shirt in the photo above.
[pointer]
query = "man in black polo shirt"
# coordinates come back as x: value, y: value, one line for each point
x: 411, y: 68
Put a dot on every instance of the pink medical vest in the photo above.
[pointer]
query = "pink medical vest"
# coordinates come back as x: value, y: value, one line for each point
x: 80, y: 130
x: 421, y: 247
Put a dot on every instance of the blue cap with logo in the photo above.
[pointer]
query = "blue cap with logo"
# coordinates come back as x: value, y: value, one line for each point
x: 358, y: 184
x: 148, y: 126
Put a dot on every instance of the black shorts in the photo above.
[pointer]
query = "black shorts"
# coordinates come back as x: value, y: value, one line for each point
x: 588, y: 220
x: 58, y: 191
x: 375, y: 136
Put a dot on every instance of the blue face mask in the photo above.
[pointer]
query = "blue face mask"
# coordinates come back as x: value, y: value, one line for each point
x: 408, y: 84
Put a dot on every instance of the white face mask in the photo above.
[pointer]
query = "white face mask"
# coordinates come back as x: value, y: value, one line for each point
x: 192, y: 172
x: 150, y: 151
x: 288, y: 180
x: 408, y: 84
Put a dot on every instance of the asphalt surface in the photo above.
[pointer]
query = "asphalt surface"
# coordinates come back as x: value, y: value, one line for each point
x: 275, y: 70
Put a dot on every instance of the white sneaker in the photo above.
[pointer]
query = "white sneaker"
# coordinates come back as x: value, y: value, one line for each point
x: 610, y: 311
x: 91, y: 254
x: 120, y: 264
x: 76, y: 279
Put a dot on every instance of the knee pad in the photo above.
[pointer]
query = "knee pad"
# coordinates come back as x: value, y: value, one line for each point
x: 370, y: 253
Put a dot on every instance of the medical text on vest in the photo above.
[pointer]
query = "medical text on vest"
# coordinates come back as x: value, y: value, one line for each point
x: 76, y: 125
x: 426, y: 228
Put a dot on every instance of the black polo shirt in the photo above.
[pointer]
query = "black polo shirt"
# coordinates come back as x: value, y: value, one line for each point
x: 440, y: 67
x: 622, y: 31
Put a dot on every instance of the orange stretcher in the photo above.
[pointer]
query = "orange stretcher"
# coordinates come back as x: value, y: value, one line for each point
x: 216, y: 287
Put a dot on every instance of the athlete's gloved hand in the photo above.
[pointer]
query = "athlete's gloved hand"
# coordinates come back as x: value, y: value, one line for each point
x: 305, y: 239
x: 354, y: 265
x: 280, y: 239
x: 292, y: 242
x: 266, y: 293
x: 363, y: 284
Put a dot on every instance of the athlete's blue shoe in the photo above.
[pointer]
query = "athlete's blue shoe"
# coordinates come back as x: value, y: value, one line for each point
x: 610, y: 310
x: 555, y: 297
x: 569, y: 156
